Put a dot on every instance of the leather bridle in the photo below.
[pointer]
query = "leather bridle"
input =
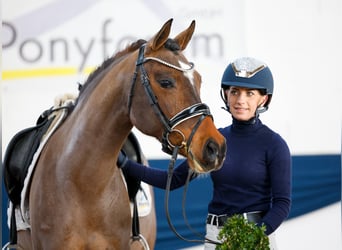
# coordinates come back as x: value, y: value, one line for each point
x: 198, y: 109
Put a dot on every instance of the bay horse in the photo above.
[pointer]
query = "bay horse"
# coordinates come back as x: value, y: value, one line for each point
x: 78, y: 198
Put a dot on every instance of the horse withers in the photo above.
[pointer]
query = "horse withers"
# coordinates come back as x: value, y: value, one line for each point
x: 78, y: 198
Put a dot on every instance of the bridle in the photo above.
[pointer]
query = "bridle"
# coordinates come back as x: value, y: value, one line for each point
x: 198, y: 109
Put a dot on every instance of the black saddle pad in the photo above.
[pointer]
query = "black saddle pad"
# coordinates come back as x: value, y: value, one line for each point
x: 19, y: 155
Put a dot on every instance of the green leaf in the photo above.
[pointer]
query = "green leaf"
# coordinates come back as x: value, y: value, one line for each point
x: 239, y: 234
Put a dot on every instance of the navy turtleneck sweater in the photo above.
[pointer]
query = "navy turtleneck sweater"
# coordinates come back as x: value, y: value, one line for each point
x: 255, y: 176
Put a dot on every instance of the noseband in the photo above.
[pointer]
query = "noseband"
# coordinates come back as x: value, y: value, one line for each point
x: 198, y: 109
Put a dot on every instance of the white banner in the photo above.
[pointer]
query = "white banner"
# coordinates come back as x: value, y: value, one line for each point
x: 50, y: 46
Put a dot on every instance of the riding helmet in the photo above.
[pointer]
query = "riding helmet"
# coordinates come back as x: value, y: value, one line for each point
x: 249, y: 73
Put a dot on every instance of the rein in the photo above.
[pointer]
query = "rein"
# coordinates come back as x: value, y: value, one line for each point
x: 198, y: 109
x: 166, y: 204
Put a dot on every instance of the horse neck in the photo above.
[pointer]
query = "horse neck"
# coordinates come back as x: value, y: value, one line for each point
x: 100, y: 122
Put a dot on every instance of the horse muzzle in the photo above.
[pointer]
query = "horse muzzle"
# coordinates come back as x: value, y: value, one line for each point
x: 213, y: 155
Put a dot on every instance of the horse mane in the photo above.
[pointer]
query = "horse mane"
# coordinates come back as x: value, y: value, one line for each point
x: 96, y: 74
x: 109, y: 61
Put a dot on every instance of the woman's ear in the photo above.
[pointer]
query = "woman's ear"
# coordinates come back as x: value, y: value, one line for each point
x: 264, y: 100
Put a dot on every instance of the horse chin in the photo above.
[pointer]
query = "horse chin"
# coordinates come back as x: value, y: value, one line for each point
x: 196, y: 166
x: 199, y: 167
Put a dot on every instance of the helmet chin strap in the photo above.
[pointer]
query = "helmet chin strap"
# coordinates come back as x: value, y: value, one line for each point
x: 259, y: 110
x: 224, y: 100
x: 226, y: 109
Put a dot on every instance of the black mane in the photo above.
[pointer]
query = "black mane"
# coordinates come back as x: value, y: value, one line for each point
x: 109, y: 61
x: 170, y: 44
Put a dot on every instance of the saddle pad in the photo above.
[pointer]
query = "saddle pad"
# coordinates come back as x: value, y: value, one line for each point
x: 18, y: 157
x: 24, y: 203
x: 144, y: 200
x: 48, y: 122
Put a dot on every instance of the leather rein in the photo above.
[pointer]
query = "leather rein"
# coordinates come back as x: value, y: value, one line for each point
x: 198, y: 109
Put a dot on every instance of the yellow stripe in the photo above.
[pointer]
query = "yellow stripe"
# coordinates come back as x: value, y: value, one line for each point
x: 43, y: 72
x: 88, y: 70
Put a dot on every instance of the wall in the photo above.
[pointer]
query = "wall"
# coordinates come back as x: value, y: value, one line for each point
x: 46, y: 54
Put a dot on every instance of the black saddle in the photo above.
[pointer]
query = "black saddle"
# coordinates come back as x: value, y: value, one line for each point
x: 19, y: 155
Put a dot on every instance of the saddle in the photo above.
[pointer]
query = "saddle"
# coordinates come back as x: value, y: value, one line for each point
x: 19, y: 155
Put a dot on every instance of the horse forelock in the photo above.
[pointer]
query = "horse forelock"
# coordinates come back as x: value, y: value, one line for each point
x: 109, y: 61
x: 172, y: 45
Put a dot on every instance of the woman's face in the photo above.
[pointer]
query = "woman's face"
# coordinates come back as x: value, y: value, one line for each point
x: 243, y: 102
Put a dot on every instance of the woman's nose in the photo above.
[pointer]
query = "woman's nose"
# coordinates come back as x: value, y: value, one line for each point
x: 241, y: 98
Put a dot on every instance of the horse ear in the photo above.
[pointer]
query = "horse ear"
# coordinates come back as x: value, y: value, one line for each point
x: 161, y: 37
x: 184, y: 37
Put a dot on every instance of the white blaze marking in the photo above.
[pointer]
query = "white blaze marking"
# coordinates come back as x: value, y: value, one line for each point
x: 188, y: 73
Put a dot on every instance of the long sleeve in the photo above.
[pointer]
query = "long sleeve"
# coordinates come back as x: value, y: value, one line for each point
x: 157, y: 177
x: 280, y: 176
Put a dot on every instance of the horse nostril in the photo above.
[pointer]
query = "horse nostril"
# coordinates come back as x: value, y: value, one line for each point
x: 211, y: 152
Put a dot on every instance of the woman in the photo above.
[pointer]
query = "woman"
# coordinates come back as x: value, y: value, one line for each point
x: 255, y: 179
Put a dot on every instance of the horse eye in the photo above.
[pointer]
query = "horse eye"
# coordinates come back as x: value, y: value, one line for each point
x: 166, y: 83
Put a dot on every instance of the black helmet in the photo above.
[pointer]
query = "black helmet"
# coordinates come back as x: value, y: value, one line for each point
x: 250, y: 73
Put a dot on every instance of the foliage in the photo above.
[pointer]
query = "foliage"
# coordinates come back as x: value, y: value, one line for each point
x: 239, y: 234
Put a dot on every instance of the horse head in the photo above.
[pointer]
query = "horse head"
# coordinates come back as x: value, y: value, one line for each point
x: 178, y: 118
